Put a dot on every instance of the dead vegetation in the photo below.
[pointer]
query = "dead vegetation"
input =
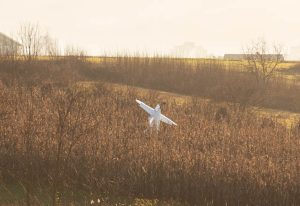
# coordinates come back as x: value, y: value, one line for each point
x: 206, y: 78
x: 71, y: 143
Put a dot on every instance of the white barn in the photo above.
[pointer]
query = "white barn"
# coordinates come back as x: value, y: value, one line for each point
x: 8, y: 46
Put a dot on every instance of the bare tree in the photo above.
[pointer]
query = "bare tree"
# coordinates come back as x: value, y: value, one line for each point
x: 262, y: 61
x: 75, y: 53
x: 31, y: 40
x: 50, y: 46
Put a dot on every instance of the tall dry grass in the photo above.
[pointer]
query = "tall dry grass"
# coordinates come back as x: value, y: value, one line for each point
x: 64, y: 141
x: 208, y: 78
x: 61, y: 143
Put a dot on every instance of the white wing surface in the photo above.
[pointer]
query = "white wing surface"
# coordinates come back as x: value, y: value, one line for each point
x: 145, y: 107
x: 166, y: 120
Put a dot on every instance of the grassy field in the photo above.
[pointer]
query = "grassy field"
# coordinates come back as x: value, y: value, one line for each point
x: 71, y: 132
x: 286, y: 118
x: 227, y: 63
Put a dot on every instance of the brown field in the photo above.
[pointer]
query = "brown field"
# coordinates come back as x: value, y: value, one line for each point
x: 69, y: 136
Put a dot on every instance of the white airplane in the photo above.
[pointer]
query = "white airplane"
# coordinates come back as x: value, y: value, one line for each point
x: 155, y: 115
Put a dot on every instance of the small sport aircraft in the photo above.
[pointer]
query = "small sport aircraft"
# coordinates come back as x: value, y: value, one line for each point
x: 155, y: 115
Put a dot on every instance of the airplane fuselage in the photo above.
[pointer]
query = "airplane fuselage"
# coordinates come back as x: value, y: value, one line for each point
x: 156, y: 117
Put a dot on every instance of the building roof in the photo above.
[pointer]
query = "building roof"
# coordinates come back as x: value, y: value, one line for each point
x: 245, y: 56
x: 5, y: 39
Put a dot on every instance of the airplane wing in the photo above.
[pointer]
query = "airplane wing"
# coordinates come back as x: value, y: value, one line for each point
x: 166, y: 120
x: 145, y: 107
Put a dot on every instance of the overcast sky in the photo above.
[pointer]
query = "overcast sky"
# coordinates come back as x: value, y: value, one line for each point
x: 218, y: 26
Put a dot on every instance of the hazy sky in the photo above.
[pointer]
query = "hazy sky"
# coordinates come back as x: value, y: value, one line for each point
x: 219, y: 26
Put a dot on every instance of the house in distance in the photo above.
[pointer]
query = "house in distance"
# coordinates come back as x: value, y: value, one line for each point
x: 246, y: 56
x: 8, y: 46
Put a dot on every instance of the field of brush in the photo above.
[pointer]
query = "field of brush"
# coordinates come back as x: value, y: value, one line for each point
x: 71, y: 132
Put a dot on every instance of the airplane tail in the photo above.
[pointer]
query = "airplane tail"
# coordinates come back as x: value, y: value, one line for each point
x: 150, y: 120
x: 157, y: 108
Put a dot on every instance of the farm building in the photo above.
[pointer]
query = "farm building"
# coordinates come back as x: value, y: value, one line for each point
x: 8, y: 46
x: 245, y: 56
